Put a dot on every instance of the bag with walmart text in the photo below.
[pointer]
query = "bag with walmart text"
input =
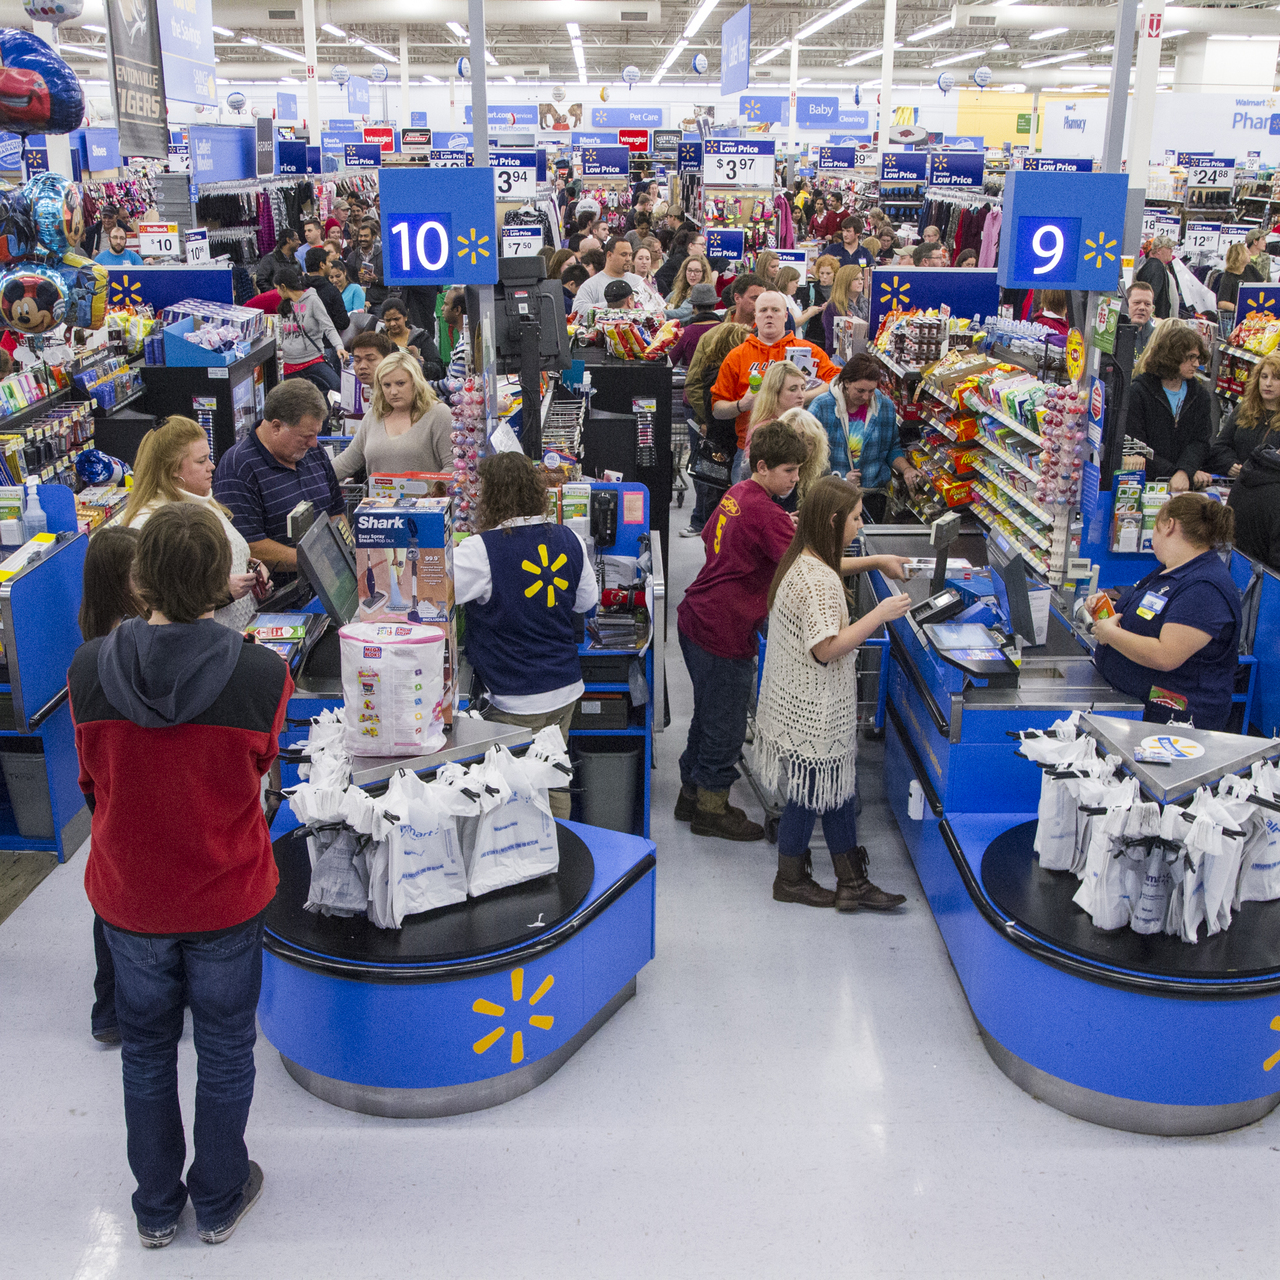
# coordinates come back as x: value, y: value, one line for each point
x: 1260, y: 874
x: 515, y: 839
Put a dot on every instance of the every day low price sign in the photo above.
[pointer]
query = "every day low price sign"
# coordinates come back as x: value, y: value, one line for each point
x: 737, y: 162
x: 689, y: 157
x: 957, y: 169
x: 450, y: 159
x: 515, y: 174
x: 904, y: 166
x: 1048, y: 164
x: 606, y: 162
x: 725, y: 243
x: 833, y: 159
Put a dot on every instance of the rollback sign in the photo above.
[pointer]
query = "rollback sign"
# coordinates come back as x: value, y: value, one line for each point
x: 138, y: 74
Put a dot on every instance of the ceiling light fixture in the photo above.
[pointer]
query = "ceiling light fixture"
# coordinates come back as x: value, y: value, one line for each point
x: 773, y: 53
x: 376, y: 50
x: 828, y: 18
x: 247, y: 40
x: 1105, y: 48
x: 458, y: 30
x: 872, y: 53
x: 925, y: 32
x: 84, y: 50
x: 509, y: 79
x: 431, y: 80
x: 330, y: 28
x: 700, y: 15
x: 490, y: 59
x: 281, y: 52
x: 1173, y: 35
x: 1056, y: 57
x: 677, y: 49
x: 102, y: 31
x: 1050, y: 31
x: 958, y: 57
x: 1001, y: 47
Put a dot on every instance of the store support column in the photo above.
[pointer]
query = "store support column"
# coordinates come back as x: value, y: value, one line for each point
x: 309, y: 48
x: 1145, y: 76
x: 480, y: 135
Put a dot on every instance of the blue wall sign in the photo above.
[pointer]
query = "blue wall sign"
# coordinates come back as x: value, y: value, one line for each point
x: 689, y: 157
x: 735, y: 52
x: 904, y: 166
x: 838, y: 157
x: 961, y: 169
x: 363, y: 155
x: 337, y: 126
x: 185, y: 28
x: 626, y: 117
x: 606, y: 162
x: 291, y: 157
x: 10, y: 152
x: 1050, y: 164
x: 314, y: 163
x: 221, y: 153
x: 725, y: 243
x: 438, y: 227
x: 417, y: 119
x: 37, y: 160
x: 1258, y: 298
x: 518, y: 116
x: 853, y: 118
x: 99, y: 148
x: 457, y: 159
x: 967, y: 293
x: 1062, y: 229
x: 358, y: 96
x: 286, y: 106
x: 454, y: 140
x: 577, y: 140
x: 817, y: 113
x: 759, y: 109
x: 337, y: 143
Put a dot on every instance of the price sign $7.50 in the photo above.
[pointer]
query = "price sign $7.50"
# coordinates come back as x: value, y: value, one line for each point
x: 731, y: 169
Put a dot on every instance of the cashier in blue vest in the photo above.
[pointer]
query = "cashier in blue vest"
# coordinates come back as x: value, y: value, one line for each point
x: 1174, y: 636
x: 522, y: 577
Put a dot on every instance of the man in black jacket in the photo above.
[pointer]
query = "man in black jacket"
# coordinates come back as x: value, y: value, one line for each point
x: 1156, y: 272
x: 281, y: 256
x: 1255, y: 498
x: 317, y: 257
x: 364, y: 264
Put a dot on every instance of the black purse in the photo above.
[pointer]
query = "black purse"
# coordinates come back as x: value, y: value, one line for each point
x: 711, y: 466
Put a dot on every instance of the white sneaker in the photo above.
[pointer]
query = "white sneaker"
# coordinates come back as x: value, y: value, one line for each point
x: 690, y: 532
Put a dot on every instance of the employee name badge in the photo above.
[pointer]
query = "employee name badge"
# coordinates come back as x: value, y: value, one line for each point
x: 1151, y: 604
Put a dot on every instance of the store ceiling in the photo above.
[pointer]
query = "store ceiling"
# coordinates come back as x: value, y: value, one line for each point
x: 529, y: 41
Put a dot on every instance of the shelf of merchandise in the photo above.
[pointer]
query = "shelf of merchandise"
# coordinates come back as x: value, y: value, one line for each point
x: 988, y: 515
x: 1036, y: 537
x: 1030, y: 503
x: 1241, y: 353
x: 1005, y: 456
x: 947, y: 402
x: 982, y: 407
x: 892, y: 365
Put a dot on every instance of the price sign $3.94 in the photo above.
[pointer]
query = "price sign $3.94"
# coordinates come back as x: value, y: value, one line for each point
x: 515, y: 184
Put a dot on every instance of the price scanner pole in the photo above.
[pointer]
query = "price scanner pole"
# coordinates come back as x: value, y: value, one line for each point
x: 485, y: 322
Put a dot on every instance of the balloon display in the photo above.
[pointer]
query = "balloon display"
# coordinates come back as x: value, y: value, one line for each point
x: 33, y: 299
x: 39, y: 93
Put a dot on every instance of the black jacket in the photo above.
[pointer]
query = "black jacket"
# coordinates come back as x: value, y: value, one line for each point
x: 1234, y: 444
x: 1229, y: 284
x: 332, y: 299
x: 1156, y: 274
x: 265, y: 272
x: 375, y: 291
x: 665, y: 278
x: 1178, y: 446
x: 1255, y: 498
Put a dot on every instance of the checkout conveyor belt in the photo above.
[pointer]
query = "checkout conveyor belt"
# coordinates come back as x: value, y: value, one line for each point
x: 1133, y: 1032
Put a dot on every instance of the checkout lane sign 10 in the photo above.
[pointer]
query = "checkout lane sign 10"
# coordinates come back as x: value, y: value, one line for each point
x: 455, y: 241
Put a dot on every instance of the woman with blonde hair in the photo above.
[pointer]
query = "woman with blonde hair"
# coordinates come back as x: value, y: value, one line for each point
x: 1251, y: 423
x: 767, y: 266
x: 818, y: 463
x: 847, y: 299
x: 174, y: 465
x: 693, y: 270
x: 1239, y: 271
x: 821, y: 282
x: 406, y: 428
x: 782, y: 388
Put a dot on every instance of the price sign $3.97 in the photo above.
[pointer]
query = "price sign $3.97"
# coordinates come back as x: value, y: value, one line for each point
x: 742, y: 171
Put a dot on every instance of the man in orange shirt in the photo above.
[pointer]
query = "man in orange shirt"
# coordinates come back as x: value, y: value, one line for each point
x: 732, y: 396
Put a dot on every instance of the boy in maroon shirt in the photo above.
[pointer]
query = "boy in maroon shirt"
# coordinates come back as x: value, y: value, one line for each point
x: 719, y: 618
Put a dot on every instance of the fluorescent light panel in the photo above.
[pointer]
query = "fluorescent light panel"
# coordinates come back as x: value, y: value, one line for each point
x: 957, y: 57
x: 1057, y: 57
x: 827, y: 18
x: 330, y: 28
x: 281, y: 52
x: 700, y: 15
x: 926, y: 32
x: 84, y: 50
x: 871, y: 53
x: 458, y: 30
x: 102, y: 31
x: 773, y: 53
x: 1049, y: 31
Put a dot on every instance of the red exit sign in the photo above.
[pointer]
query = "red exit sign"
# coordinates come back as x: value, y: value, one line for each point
x: 382, y: 136
x: 634, y: 139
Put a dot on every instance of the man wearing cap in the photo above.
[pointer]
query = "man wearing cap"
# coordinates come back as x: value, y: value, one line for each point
x: 617, y: 260
x: 618, y: 294
x: 1155, y: 271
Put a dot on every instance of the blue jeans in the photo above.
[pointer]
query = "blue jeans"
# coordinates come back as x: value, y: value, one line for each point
x: 721, y: 697
x: 103, y: 1015
x: 705, y: 498
x: 741, y: 467
x: 219, y: 977
x: 839, y: 828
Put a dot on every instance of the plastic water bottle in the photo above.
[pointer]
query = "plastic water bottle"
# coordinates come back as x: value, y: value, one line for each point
x: 34, y: 519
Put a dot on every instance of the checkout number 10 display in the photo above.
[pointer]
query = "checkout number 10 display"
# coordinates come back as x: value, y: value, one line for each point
x: 1047, y: 242
x: 439, y: 227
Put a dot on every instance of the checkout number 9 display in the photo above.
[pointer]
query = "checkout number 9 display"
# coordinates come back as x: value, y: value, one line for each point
x: 1047, y: 249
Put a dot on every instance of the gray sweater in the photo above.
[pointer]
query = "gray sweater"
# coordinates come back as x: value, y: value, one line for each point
x: 304, y: 333
x: 426, y: 446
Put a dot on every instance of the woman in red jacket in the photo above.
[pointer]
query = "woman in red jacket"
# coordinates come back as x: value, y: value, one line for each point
x: 180, y: 866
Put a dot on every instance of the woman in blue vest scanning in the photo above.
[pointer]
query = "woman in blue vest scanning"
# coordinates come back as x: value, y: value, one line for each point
x: 1173, y: 638
x: 522, y: 578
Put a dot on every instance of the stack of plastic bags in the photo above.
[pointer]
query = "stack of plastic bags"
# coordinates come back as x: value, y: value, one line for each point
x: 425, y: 845
x: 1154, y: 870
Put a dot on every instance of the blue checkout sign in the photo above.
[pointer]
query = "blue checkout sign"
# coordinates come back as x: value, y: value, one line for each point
x: 439, y: 227
x: 1062, y: 229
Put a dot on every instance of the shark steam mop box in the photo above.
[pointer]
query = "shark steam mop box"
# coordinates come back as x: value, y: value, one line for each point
x: 404, y: 567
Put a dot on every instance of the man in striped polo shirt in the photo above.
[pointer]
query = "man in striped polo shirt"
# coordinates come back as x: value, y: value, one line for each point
x: 280, y: 464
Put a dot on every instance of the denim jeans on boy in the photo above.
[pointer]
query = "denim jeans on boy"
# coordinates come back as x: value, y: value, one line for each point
x: 722, y: 690
x: 219, y: 977
x: 103, y: 1015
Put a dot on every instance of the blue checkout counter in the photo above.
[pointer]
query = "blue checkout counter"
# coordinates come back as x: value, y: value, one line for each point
x: 1141, y: 1033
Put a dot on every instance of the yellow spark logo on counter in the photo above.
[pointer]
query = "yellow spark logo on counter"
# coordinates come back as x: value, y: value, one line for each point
x: 471, y: 245
x: 126, y: 290
x: 1275, y: 1057
x: 1099, y: 249
x: 542, y: 1021
x: 897, y: 294
x: 553, y: 569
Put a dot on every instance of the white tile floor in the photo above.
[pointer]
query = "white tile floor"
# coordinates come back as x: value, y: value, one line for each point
x: 792, y: 1093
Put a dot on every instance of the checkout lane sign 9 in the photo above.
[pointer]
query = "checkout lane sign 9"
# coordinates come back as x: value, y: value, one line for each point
x: 439, y: 227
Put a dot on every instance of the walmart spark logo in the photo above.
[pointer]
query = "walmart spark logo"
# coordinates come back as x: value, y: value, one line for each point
x: 542, y: 1021
x: 589, y: 156
x: 897, y: 294
x: 473, y: 245
x: 752, y: 109
x: 1099, y: 249
x: 1259, y: 303
x: 940, y: 164
x: 553, y: 569
x: 125, y: 291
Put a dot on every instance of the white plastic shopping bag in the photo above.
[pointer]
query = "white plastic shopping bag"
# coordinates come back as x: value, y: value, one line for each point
x: 425, y: 862
x: 515, y: 839
x: 1260, y: 873
x: 1107, y: 888
x: 1151, y: 909
x: 393, y: 688
x: 1056, y: 825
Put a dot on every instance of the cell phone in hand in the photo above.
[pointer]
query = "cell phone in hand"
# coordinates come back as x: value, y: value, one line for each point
x: 262, y: 587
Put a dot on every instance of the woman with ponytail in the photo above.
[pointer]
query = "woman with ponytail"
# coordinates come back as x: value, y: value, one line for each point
x: 1174, y: 637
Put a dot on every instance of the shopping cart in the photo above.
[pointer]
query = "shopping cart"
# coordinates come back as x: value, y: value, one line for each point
x: 679, y: 439
x: 873, y: 689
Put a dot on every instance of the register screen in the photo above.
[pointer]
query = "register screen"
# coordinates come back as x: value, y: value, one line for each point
x: 960, y: 635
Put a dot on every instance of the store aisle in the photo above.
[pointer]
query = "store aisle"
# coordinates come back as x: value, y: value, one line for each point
x: 792, y: 1093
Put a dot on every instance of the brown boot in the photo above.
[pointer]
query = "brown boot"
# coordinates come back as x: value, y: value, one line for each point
x: 715, y: 816
x: 854, y: 890
x: 795, y: 883
x: 687, y: 804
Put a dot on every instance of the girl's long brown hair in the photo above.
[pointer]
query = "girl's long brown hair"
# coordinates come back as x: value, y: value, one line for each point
x: 826, y: 508
x: 680, y: 290
x: 1252, y: 412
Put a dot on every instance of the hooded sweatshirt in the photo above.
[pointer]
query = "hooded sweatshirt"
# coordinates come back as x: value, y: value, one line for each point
x: 1255, y: 498
x: 175, y: 727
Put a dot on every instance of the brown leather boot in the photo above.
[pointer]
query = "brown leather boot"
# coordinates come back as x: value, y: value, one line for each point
x: 854, y: 890
x: 715, y: 816
x: 795, y: 883
x: 687, y: 804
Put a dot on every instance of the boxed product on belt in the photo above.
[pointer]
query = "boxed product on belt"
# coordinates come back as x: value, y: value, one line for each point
x: 413, y: 484
x: 404, y: 568
x: 99, y: 503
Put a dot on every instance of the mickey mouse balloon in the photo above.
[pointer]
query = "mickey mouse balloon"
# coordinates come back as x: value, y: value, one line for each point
x: 33, y: 299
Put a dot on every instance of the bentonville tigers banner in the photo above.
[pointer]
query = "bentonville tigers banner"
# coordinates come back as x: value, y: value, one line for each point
x: 139, y: 77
